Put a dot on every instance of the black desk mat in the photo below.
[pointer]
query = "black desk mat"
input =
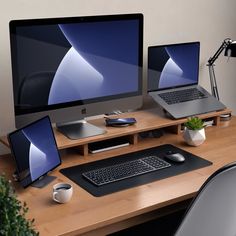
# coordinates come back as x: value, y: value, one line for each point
x: 192, y: 162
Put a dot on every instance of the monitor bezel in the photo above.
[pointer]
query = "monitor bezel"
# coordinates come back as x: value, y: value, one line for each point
x: 16, y: 159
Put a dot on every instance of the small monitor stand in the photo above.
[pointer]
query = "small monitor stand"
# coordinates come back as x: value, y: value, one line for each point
x: 43, y: 181
x: 40, y: 183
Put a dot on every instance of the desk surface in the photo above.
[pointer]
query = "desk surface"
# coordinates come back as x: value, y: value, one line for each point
x: 86, y: 214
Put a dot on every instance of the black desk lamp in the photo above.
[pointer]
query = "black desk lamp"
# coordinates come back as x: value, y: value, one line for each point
x: 230, y: 51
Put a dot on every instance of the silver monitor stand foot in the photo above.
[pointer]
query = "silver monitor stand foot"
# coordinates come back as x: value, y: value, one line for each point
x: 80, y: 129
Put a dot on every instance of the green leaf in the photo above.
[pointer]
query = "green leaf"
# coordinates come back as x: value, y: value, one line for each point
x: 12, y: 212
x: 194, y: 123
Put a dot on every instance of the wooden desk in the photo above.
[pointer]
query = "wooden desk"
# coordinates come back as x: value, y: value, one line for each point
x: 89, y: 215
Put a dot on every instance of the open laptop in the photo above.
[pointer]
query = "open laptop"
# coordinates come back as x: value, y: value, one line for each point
x: 173, y: 80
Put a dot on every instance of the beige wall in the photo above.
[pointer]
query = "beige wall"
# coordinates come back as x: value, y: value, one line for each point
x: 166, y: 21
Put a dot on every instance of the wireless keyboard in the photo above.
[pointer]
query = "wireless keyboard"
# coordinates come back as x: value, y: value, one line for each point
x: 125, y: 170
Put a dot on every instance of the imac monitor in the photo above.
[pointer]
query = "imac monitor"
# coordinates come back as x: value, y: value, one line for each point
x: 72, y: 68
x: 35, y: 151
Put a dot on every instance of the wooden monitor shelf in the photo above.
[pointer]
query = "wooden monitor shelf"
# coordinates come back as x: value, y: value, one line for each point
x: 147, y: 120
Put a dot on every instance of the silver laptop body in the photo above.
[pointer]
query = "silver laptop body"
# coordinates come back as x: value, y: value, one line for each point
x: 175, y: 67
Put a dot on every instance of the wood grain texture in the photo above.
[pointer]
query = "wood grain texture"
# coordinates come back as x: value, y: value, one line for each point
x: 150, y: 119
x: 86, y: 214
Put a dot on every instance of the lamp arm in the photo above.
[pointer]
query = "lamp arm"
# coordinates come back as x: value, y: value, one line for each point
x: 214, y: 89
x: 224, y: 44
x: 210, y: 64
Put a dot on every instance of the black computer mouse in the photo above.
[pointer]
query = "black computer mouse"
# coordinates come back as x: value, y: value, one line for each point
x: 175, y: 157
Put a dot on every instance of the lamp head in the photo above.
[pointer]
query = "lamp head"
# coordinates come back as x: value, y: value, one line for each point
x: 230, y: 50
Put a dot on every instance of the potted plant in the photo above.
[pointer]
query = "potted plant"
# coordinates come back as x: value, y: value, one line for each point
x: 194, y: 132
x: 13, y: 212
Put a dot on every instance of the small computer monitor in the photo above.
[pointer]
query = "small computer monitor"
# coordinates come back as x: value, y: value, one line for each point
x: 72, y: 68
x: 35, y: 152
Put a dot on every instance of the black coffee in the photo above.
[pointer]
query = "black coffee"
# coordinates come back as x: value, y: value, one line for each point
x: 63, y: 188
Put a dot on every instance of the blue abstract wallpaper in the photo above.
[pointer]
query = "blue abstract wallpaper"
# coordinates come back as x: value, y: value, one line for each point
x: 173, y: 65
x: 35, y: 150
x: 76, y: 62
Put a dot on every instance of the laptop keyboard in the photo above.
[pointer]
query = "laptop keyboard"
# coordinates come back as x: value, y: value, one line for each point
x: 125, y: 170
x: 182, y: 96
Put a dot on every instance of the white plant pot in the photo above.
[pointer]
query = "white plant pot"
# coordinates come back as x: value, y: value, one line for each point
x: 194, y: 137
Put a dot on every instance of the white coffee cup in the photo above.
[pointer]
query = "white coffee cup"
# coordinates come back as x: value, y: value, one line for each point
x: 62, y: 192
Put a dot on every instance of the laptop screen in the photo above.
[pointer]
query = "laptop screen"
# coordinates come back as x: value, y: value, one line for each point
x: 174, y: 65
x: 35, y: 151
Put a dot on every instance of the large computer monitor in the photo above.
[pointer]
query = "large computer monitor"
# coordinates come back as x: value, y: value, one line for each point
x: 72, y: 68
